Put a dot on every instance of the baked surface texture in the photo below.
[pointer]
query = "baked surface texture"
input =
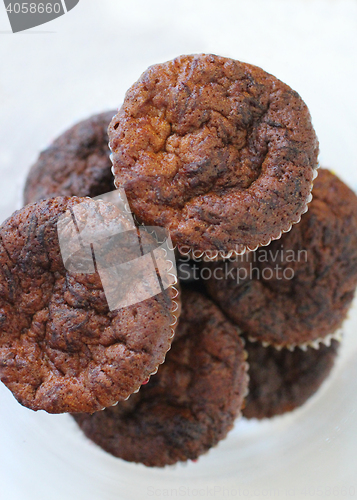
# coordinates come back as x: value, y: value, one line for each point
x: 319, y: 259
x: 219, y: 152
x: 76, y: 164
x: 61, y: 349
x: 190, y: 404
x: 281, y: 381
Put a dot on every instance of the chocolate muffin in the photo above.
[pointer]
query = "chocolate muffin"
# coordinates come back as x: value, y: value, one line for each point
x: 219, y: 152
x: 280, y: 381
x: 297, y: 291
x: 76, y: 164
x: 61, y: 348
x: 190, y: 404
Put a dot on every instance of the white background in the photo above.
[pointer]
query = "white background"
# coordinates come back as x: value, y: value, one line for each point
x: 82, y: 63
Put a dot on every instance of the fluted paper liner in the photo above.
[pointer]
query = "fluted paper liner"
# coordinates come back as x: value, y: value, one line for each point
x: 315, y: 344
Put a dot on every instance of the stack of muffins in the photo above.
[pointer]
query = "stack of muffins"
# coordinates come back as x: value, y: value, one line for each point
x: 224, y: 157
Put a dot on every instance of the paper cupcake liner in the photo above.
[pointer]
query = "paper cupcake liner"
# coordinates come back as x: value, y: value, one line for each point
x: 246, y: 363
x: 315, y: 344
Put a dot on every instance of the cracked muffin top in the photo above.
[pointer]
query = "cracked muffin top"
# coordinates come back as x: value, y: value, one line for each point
x: 77, y: 163
x: 61, y: 348
x: 190, y: 404
x: 297, y: 290
x: 219, y: 152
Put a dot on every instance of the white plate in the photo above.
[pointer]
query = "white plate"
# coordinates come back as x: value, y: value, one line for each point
x: 50, y: 80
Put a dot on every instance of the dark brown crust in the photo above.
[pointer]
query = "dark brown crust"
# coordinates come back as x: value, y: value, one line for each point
x: 76, y: 164
x: 219, y: 152
x: 190, y: 404
x: 281, y: 381
x: 61, y: 350
x: 315, y: 302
